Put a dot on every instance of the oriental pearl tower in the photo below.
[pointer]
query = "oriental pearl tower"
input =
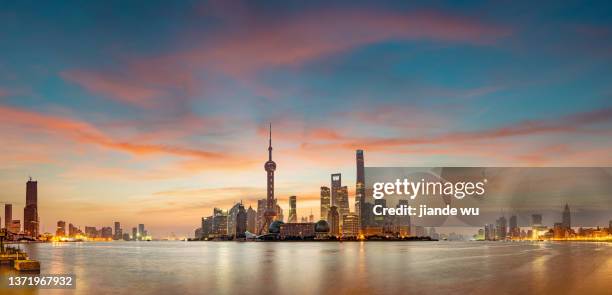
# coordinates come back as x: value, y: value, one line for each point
x: 270, y: 212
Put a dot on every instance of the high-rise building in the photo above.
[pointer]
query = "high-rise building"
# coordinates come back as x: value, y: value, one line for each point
x: 106, y: 232
x: 360, y: 186
x: 333, y: 219
x: 343, y: 203
x: 567, y: 218
x: 325, y: 202
x: 15, y: 226
x: 350, y: 225
x: 72, y: 230
x: 118, y: 231
x: 232, y: 214
x: 241, y: 222
x: 61, y: 229
x: 336, y: 183
x: 489, y: 232
x: 91, y: 232
x: 379, y: 220
x: 30, y: 212
x: 141, y: 232
x: 207, y: 226
x: 536, y: 220
x: 251, y: 220
x: 515, y: 231
x: 261, y: 209
x: 219, y: 222
x: 8, y: 215
x: 501, y: 228
x: 134, y: 234
x: 292, y: 209
x: 279, y: 213
x: 271, y: 211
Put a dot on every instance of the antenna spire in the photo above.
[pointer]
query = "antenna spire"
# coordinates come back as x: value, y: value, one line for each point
x: 270, y: 144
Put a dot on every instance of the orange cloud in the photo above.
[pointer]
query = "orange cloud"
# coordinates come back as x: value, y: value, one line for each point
x: 83, y: 132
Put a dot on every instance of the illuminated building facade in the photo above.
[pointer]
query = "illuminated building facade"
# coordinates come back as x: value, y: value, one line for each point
x: 343, y: 203
x: 567, y: 217
x: 336, y: 183
x: 292, y: 209
x: 118, y: 231
x: 61, y: 229
x: 251, y: 220
x: 350, y: 225
x: 297, y: 230
x: 325, y: 202
x: 333, y: 218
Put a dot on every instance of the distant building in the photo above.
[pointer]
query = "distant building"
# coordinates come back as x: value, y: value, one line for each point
x: 501, y: 228
x: 219, y: 223
x: 343, y: 203
x: 333, y: 218
x: 8, y: 215
x: 126, y: 236
x: 198, y: 233
x: 251, y: 220
x: 325, y: 202
x: 419, y: 231
x: 15, y: 226
x: 91, y: 232
x: 536, y: 220
x: 515, y: 231
x: 30, y: 212
x: 297, y: 230
x: 231, y: 219
x: 403, y: 220
x: 106, y: 233
x: 241, y: 222
x: 566, y: 218
x: 360, y: 186
x: 490, y: 232
x: 134, y: 234
x: 350, y: 225
x: 72, y: 230
x: 261, y: 209
x: 292, y: 209
x: 141, y: 232
x: 279, y: 213
x: 61, y: 229
x: 118, y: 231
x: 336, y: 183
x: 207, y: 225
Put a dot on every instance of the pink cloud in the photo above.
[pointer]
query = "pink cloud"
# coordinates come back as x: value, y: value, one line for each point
x: 293, y: 41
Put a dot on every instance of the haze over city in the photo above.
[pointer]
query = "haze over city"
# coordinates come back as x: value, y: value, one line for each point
x: 156, y: 114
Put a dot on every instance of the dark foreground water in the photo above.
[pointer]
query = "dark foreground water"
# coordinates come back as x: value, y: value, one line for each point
x: 328, y: 267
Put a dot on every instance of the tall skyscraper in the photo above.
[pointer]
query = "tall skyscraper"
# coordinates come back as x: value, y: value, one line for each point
x: 134, y: 234
x: 270, y: 167
x: 333, y: 219
x: 241, y: 222
x: 343, y: 203
x: 261, y: 209
x: 207, y: 226
x: 325, y: 202
x: 251, y: 220
x: 61, y: 229
x: 141, y: 231
x: 232, y: 216
x: 403, y: 220
x: 292, y: 209
x: 336, y: 183
x: 360, y: 186
x: 8, y: 215
x: 514, y: 229
x: 567, y: 217
x: 501, y: 228
x: 30, y: 212
x: 118, y: 231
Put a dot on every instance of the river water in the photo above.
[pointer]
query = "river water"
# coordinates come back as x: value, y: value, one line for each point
x: 327, y: 267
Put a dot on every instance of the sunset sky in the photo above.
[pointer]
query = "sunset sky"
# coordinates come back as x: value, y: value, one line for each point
x: 155, y: 113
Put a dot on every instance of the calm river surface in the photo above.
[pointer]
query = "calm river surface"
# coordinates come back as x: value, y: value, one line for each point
x: 328, y: 267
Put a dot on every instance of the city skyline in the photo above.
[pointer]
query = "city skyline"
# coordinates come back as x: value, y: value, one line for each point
x: 163, y: 110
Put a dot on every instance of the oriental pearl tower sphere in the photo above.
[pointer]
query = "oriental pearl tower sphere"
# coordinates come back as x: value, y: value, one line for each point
x: 270, y: 212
